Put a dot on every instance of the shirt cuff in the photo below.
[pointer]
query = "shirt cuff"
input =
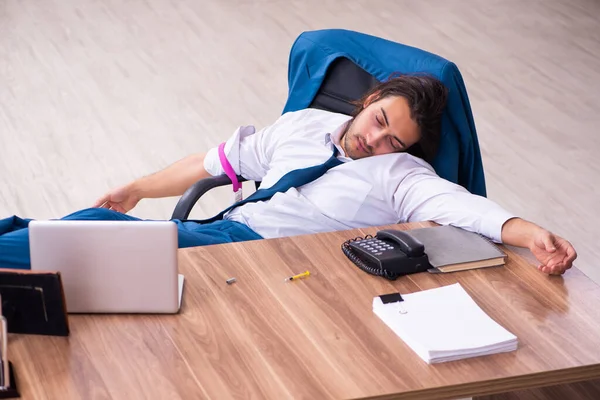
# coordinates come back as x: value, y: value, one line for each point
x: 494, y: 220
x: 212, y: 163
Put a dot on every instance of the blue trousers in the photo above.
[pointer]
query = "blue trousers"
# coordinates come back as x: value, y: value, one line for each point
x: 14, y: 235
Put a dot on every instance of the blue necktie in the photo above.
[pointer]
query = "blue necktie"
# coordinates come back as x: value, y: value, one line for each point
x: 295, y: 178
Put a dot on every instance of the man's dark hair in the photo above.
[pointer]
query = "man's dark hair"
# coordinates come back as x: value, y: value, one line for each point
x: 426, y: 96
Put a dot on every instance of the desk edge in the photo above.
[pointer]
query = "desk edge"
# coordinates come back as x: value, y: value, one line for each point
x: 501, y: 385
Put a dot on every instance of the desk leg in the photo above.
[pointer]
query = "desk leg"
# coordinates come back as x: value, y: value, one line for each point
x: 589, y: 390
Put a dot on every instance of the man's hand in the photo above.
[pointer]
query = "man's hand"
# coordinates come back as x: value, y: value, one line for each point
x: 555, y: 254
x: 121, y: 199
x: 171, y: 181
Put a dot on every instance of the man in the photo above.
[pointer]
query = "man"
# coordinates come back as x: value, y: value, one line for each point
x: 376, y: 183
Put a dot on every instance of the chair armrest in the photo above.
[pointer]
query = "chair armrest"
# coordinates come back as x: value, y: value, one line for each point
x: 190, y: 197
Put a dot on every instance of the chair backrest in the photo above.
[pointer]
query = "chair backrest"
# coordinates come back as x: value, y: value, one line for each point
x: 335, y: 94
x: 329, y: 69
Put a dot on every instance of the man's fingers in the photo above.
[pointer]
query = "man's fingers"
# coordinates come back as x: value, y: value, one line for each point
x: 113, y: 206
x: 549, y: 243
x: 100, y: 202
x: 558, y: 269
x: 555, y: 270
x: 569, y: 258
x: 554, y: 260
x: 571, y: 254
x: 116, y: 207
x: 551, y: 269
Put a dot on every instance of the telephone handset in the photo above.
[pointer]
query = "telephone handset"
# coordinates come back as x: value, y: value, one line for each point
x: 391, y: 253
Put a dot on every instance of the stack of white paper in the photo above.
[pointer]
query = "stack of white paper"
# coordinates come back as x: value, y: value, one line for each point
x: 444, y: 324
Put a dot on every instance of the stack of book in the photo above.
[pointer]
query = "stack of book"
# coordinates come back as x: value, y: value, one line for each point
x: 443, y: 324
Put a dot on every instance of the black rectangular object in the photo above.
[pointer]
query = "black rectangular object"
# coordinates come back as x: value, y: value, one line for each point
x: 33, y: 303
x: 11, y: 392
x: 391, y: 298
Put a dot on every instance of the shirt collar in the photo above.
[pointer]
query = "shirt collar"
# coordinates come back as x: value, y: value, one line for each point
x: 333, y: 139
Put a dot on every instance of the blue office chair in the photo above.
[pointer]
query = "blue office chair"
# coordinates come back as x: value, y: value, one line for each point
x: 329, y: 69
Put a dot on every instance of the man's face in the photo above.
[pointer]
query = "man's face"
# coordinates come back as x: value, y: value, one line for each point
x: 382, y: 127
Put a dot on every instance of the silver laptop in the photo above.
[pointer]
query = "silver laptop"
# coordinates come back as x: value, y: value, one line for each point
x: 111, y: 266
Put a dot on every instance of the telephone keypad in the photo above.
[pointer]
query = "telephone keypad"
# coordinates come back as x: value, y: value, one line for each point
x: 376, y: 246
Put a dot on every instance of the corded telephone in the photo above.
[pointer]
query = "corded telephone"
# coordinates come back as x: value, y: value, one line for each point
x: 390, y: 254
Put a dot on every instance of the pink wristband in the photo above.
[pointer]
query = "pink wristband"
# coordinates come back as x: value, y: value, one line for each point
x: 229, y: 171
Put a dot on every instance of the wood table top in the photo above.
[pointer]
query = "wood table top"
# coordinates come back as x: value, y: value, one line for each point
x: 313, y: 338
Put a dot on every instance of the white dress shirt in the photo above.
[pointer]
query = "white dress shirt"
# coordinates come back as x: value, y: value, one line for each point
x: 371, y: 191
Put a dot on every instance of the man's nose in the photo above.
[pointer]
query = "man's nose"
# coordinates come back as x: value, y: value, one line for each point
x: 375, y: 138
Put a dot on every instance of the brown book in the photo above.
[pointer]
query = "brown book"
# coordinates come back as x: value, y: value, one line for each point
x: 452, y: 249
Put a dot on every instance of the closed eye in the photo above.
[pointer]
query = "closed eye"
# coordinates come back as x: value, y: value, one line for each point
x: 395, y: 142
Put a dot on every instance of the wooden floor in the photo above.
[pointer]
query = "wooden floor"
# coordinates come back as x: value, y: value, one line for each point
x: 94, y: 93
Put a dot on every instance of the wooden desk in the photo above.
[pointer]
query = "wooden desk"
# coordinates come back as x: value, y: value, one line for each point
x: 316, y: 338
